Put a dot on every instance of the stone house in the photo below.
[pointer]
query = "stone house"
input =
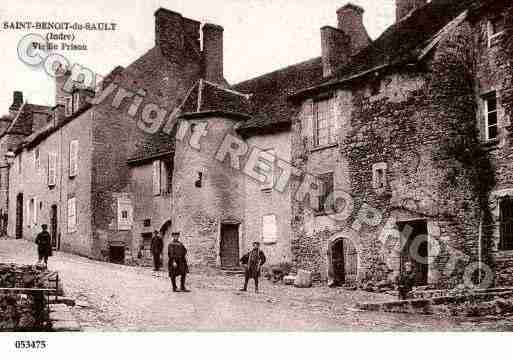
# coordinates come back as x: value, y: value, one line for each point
x: 87, y: 168
x: 409, y: 135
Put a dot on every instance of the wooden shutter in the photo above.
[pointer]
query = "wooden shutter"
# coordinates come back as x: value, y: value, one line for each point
x: 52, y: 169
x: 156, y: 177
x: 73, y: 158
x: 35, y: 210
x: 72, y: 215
x: 269, y: 229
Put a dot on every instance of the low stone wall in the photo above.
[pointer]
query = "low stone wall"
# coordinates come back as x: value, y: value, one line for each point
x: 23, y: 310
x: 471, y: 304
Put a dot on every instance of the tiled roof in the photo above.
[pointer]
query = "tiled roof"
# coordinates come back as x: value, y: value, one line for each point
x: 269, y: 93
x: 209, y: 97
x: 404, y: 41
x: 22, y: 123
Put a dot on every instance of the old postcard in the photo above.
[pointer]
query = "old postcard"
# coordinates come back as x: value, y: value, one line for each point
x: 256, y: 166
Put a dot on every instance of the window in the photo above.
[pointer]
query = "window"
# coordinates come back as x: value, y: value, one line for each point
x: 379, y: 179
x: 326, y: 192
x: 506, y: 224
x: 199, y: 180
x: 490, y: 115
x: 269, y: 229
x: 36, y: 158
x: 68, y: 106
x: 34, y: 211
x: 72, y: 215
x: 496, y: 27
x: 30, y: 212
x: 269, y: 159
x: 324, y: 122
x: 19, y: 163
x: 124, y: 214
x: 147, y: 222
x: 156, y: 177
x: 73, y: 158
x: 76, y: 102
x: 52, y: 169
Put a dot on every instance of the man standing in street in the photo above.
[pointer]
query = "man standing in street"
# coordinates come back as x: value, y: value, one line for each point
x: 44, y: 245
x: 253, y: 262
x: 177, y: 262
x: 156, y: 250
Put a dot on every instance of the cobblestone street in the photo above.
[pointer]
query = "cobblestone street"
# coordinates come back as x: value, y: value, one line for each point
x: 115, y: 297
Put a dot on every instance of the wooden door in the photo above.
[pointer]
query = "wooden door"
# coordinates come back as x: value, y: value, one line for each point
x: 415, y: 249
x: 53, y: 225
x: 229, y: 246
x: 350, y: 261
x: 344, y: 261
x: 337, y: 260
x: 19, y: 216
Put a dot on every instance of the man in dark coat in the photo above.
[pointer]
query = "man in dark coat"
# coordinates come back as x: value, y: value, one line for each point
x: 406, y: 281
x: 253, y: 262
x: 44, y: 245
x: 156, y: 250
x: 177, y: 262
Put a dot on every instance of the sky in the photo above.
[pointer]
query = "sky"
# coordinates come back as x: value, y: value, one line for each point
x: 260, y: 36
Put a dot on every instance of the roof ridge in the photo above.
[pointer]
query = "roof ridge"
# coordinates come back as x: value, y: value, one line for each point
x: 283, y: 69
x: 246, y: 96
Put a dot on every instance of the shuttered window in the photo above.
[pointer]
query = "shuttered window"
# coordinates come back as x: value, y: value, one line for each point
x: 125, y: 214
x: 72, y: 215
x: 324, y: 122
x: 73, y: 158
x: 269, y: 229
x: 52, y: 169
x: 506, y: 224
x: 156, y: 177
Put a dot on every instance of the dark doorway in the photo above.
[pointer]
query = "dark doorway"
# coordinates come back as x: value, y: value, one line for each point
x: 19, y: 215
x: 414, y: 239
x: 229, y: 246
x: 53, y: 225
x: 117, y: 254
x: 344, y: 260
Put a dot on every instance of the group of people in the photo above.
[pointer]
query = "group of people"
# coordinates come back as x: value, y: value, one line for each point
x: 178, y: 267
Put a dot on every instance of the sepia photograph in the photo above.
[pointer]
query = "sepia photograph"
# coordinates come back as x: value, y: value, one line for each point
x: 261, y: 166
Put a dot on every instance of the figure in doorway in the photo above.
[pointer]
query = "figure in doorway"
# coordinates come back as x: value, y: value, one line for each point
x: 177, y: 262
x: 253, y: 262
x: 157, y: 245
x: 406, y: 282
x: 44, y: 246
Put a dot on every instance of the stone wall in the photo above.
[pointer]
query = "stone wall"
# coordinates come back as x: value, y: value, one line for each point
x: 22, y: 311
x: 199, y: 212
x: 420, y: 126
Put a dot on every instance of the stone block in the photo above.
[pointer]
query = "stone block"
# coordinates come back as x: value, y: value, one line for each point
x: 289, y: 279
x: 303, y: 279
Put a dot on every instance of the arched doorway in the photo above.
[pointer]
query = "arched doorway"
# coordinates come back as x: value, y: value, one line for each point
x: 344, y: 261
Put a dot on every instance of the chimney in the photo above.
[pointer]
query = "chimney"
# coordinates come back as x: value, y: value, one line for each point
x: 350, y: 21
x: 17, y: 99
x: 335, y: 49
x: 213, y: 53
x: 404, y: 7
x: 169, y: 34
x: 338, y: 45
